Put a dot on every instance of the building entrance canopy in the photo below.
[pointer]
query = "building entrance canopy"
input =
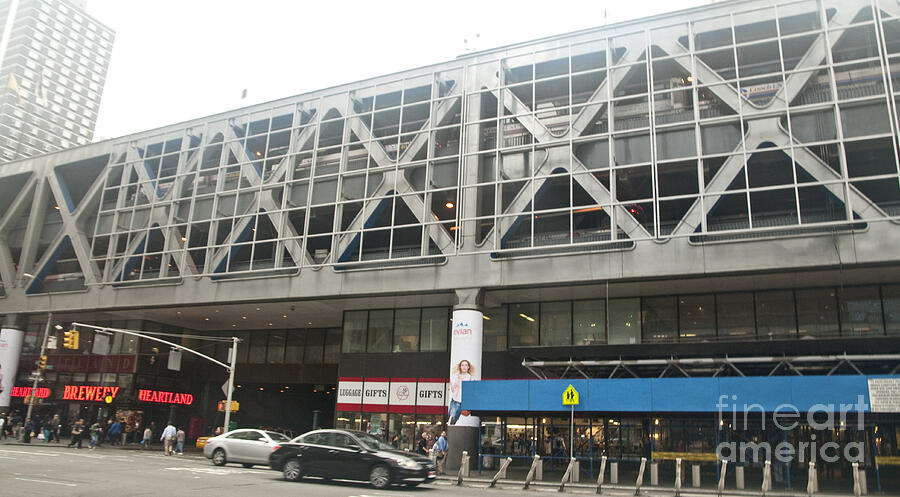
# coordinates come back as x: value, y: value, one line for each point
x: 855, y: 393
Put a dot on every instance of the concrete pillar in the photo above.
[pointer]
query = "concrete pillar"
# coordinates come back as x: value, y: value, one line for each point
x: 654, y: 473
x: 695, y: 475
x: 12, y: 335
x: 739, y: 477
x: 459, y: 439
x: 614, y: 473
x: 465, y: 352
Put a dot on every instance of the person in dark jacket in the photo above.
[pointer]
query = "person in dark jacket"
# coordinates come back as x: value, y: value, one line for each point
x: 29, y: 426
x: 77, y: 430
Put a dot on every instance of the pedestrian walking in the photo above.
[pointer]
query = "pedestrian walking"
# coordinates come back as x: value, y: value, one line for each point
x: 168, y: 439
x: 422, y: 447
x: 29, y: 431
x: 95, y: 435
x: 148, y: 436
x: 77, y: 430
x: 179, y: 442
x: 440, y: 451
x: 114, y: 433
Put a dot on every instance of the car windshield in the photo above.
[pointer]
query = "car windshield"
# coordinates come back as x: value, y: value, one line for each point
x: 373, y: 443
x: 277, y: 437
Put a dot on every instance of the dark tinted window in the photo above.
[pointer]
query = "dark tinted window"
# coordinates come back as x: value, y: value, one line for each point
x: 315, y: 438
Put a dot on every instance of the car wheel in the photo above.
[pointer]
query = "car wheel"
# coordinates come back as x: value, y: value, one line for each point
x: 380, y: 476
x: 247, y: 465
x: 291, y: 470
x: 218, y: 457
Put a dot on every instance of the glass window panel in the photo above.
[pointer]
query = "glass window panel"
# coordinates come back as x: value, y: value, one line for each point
x: 315, y: 343
x: 355, y: 324
x: 332, y: 345
x: 891, y: 297
x: 293, y: 350
x: 817, y: 312
x: 556, y: 323
x: 494, y: 331
x: 660, y: 319
x: 735, y: 317
x: 435, y: 327
x: 624, y: 321
x: 275, y: 350
x: 380, y: 327
x: 775, y: 314
x: 589, y: 322
x: 258, y: 341
x: 523, y: 325
x: 861, y: 311
x: 696, y: 317
x: 406, y: 330
x: 869, y: 118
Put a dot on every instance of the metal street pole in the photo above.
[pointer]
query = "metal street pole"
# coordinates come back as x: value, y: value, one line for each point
x: 234, y: 344
x: 39, y: 375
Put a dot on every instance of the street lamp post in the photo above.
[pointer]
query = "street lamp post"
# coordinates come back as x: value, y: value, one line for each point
x: 39, y: 375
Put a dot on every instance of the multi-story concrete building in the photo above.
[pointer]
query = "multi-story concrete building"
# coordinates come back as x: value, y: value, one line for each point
x: 59, y: 56
x: 659, y: 212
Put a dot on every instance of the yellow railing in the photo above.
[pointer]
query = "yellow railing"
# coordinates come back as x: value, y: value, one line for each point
x: 685, y: 456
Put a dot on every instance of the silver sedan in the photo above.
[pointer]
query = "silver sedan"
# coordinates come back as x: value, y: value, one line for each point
x: 245, y: 446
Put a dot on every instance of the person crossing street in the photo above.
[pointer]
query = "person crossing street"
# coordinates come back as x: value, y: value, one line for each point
x: 168, y: 439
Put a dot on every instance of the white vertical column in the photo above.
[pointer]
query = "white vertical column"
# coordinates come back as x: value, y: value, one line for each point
x: 465, y: 360
x: 10, y: 349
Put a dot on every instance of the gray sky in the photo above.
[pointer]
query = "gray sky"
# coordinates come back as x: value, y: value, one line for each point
x: 179, y: 60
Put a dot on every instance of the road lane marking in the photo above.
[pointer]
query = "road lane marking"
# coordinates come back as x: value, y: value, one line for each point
x: 218, y: 471
x: 30, y: 452
x: 50, y: 482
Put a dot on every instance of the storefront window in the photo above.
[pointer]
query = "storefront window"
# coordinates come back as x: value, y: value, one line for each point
x: 861, y: 311
x: 315, y: 345
x: 406, y: 330
x: 775, y: 314
x: 355, y: 324
x: 660, y: 319
x: 523, y: 325
x: 346, y: 420
x: 435, y: 326
x: 817, y: 312
x: 588, y: 322
x: 258, y: 341
x: 332, y: 345
x: 374, y: 423
x: 494, y: 329
x: 556, y: 323
x: 891, y: 296
x: 735, y: 317
x: 624, y: 321
x: 696, y: 317
x: 380, y: 327
x: 293, y: 350
x: 275, y: 350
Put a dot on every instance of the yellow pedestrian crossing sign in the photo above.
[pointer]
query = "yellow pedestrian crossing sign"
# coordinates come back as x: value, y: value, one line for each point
x: 570, y: 396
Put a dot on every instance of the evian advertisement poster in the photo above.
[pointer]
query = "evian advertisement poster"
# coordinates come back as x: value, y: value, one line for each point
x: 465, y: 362
x: 10, y: 348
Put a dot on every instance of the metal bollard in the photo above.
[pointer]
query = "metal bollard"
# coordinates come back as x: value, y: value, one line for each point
x: 863, y: 485
x: 640, y: 477
x: 721, y: 486
x: 502, y: 472
x: 695, y: 475
x: 568, y: 476
x: 812, y: 483
x: 857, y: 491
x: 739, y: 477
x: 677, y: 477
x: 614, y: 473
x: 535, y: 463
x: 767, y: 478
x: 600, y: 476
x: 463, y: 468
x: 654, y: 474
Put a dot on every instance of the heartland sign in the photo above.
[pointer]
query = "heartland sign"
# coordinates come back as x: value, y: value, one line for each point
x: 165, y: 397
x: 91, y: 393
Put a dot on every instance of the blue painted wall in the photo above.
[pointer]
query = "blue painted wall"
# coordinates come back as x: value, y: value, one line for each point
x: 666, y: 394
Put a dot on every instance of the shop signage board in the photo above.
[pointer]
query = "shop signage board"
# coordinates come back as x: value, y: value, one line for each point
x: 90, y: 393
x: 349, y: 394
x: 165, y: 397
x: 884, y: 394
x: 431, y: 395
x: 402, y: 395
x: 40, y: 393
x: 375, y: 394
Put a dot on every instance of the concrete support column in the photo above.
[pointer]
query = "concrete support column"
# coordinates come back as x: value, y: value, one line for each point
x: 465, y: 365
x: 12, y: 335
x: 459, y: 439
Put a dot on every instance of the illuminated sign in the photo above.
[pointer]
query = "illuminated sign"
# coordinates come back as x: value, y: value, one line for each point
x: 165, y: 397
x: 41, y: 393
x: 91, y: 393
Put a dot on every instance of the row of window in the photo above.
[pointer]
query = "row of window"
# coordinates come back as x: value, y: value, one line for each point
x: 396, y: 330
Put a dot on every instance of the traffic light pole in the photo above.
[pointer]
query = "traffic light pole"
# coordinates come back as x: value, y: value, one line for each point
x: 38, y: 377
x: 234, y: 342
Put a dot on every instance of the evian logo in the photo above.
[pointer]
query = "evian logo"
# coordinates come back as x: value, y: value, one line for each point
x: 4, y: 344
x: 462, y: 329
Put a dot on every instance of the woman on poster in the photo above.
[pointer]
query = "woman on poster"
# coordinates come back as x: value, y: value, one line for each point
x: 464, y: 371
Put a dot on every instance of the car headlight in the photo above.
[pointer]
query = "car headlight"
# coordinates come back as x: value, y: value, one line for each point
x: 406, y: 463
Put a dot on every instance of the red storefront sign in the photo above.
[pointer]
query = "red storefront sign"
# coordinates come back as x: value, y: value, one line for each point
x: 92, y: 363
x: 90, y: 393
x: 165, y: 397
x: 40, y: 393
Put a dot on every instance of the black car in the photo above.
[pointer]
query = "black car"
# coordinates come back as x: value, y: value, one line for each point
x: 350, y: 455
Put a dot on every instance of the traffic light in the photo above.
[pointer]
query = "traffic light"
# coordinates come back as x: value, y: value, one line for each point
x: 43, y: 362
x: 70, y: 339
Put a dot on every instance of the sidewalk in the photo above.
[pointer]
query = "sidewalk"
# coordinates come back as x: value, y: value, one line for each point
x: 188, y: 449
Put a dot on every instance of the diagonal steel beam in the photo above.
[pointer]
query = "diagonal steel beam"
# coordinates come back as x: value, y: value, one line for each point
x: 12, y: 214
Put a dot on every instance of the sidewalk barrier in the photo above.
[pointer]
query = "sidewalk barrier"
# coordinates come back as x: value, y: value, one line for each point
x: 654, y: 474
x: 568, y: 475
x: 640, y: 477
x: 463, y: 468
x: 812, y: 484
x: 614, y: 473
x: 502, y: 472
x: 739, y: 477
x: 535, y: 463
x: 678, y: 477
x: 767, y: 478
x: 863, y: 485
x: 857, y: 491
x: 600, y: 476
x: 695, y: 475
x: 721, y: 486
